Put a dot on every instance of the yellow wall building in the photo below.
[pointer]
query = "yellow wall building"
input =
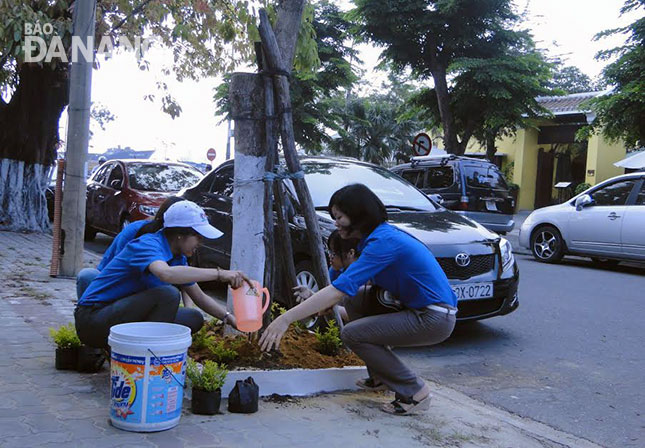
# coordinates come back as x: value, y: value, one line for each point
x: 549, y: 153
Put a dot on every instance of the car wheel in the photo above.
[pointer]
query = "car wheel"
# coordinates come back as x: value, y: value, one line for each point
x: 305, y: 277
x: 605, y: 262
x: 547, y: 245
x: 90, y: 232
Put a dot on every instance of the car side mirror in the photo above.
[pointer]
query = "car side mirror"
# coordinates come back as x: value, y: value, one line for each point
x: 436, y: 197
x: 583, y: 201
x: 116, y: 184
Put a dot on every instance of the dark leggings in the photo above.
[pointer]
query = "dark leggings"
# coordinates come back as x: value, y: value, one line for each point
x: 160, y: 304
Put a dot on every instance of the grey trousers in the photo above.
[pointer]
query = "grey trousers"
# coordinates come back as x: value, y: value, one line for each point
x: 160, y: 304
x: 373, y: 330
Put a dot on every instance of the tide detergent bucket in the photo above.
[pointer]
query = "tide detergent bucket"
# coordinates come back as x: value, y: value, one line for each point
x: 147, y: 374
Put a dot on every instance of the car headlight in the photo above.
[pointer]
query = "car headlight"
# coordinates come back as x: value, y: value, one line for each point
x: 507, y: 253
x: 148, y: 210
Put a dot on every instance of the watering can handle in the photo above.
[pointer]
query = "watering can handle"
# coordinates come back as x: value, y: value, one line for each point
x: 268, y: 299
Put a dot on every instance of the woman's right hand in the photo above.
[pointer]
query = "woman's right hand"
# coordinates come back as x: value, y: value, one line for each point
x: 302, y: 293
x: 234, y: 278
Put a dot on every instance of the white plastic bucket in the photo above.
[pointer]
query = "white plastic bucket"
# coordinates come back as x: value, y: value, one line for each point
x: 147, y: 373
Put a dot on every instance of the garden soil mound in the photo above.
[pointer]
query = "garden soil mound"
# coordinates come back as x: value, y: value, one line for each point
x: 297, y: 350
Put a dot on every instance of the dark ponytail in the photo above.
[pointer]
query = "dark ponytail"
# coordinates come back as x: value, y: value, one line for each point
x: 156, y: 223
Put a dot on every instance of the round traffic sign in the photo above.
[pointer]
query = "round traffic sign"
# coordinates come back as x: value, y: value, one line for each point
x: 421, y: 145
x: 211, y: 154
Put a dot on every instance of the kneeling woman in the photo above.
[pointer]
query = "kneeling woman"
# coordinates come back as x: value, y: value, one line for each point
x: 393, y: 261
x: 137, y: 285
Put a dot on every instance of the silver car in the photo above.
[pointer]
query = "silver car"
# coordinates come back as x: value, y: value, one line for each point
x: 605, y: 222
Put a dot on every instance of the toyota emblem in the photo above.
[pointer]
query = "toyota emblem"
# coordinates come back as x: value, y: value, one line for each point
x: 462, y: 259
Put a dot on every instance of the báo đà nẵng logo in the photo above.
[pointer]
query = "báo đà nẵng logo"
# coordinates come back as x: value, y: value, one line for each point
x: 41, y: 45
x: 123, y: 392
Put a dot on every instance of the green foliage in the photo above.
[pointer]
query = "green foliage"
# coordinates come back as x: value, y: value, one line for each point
x: 314, y: 83
x: 620, y: 113
x: 570, y: 79
x: 206, y: 37
x: 210, y: 377
x: 492, y: 97
x: 328, y: 341
x: 221, y: 351
x: 378, y: 127
x: 434, y: 37
x: 65, y: 336
x: 581, y: 187
x: 508, y: 170
x: 277, y: 310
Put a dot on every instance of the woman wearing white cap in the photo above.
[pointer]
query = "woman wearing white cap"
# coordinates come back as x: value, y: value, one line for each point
x: 137, y: 285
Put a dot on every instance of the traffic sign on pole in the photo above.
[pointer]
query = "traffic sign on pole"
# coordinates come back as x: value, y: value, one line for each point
x: 421, y: 145
x: 210, y: 154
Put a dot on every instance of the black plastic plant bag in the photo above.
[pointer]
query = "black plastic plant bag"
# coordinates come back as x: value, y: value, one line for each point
x: 244, y: 397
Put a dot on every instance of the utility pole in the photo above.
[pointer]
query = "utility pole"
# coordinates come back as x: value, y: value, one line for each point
x: 228, y: 140
x: 73, y: 220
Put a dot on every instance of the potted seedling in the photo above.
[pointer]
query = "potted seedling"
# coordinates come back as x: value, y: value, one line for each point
x: 67, y: 345
x: 90, y: 359
x: 207, y: 385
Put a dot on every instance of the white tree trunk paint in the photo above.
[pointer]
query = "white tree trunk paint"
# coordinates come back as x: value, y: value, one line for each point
x: 247, y: 253
x: 23, y: 206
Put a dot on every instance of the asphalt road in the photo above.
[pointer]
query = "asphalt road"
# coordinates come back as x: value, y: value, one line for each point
x: 572, y: 355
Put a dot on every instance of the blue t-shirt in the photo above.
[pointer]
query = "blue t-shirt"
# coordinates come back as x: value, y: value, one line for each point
x: 333, y: 274
x: 400, y: 264
x: 119, y: 241
x: 128, y: 272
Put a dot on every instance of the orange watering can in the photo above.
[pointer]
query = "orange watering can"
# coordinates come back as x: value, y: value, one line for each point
x: 247, y: 306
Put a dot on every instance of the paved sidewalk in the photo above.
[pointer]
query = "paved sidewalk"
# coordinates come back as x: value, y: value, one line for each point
x: 40, y: 406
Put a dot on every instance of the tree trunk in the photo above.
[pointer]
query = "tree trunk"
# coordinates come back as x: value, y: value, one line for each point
x: 28, y: 141
x: 247, y: 108
x: 450, y: 141
x: 491, y: 149
x: 276, y: 63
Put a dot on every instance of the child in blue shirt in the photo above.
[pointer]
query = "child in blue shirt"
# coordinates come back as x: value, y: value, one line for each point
x: 342, y: 253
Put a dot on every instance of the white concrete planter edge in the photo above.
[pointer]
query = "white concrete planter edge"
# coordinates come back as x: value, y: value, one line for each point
x: 298, y: 382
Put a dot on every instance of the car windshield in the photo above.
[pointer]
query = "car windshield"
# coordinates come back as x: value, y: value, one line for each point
x: 481, y: 176
x: 326, y: 177
x: 161, y: 177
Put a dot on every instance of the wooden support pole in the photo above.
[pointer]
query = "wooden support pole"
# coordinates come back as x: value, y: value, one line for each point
x: 276, y: 64
x: 270, y: 131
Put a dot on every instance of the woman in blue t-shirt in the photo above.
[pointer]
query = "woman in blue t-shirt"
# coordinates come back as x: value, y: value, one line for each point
x: 142, y: 282
x: 393, y: 261
x: 131, y: 231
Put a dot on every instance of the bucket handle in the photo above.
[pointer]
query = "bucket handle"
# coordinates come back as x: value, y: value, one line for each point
x: 169, y: 370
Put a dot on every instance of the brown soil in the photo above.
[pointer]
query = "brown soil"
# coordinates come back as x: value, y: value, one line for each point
x: 297, y: 350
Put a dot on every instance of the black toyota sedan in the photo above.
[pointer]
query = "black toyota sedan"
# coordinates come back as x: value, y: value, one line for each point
x: 479, y: 263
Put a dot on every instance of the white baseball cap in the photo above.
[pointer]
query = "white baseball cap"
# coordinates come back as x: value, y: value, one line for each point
x: 189, y: 214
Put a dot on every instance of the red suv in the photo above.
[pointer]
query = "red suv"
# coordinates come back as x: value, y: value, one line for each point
x: 122, y: 191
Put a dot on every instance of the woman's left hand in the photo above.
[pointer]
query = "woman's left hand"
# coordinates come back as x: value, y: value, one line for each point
x: 273, y: 334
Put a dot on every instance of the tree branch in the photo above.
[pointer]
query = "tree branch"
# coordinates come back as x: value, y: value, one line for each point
x: 129, y: 16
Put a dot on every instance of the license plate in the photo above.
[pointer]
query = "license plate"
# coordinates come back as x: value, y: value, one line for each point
x: 491, y: 206
x: 471, y: 291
